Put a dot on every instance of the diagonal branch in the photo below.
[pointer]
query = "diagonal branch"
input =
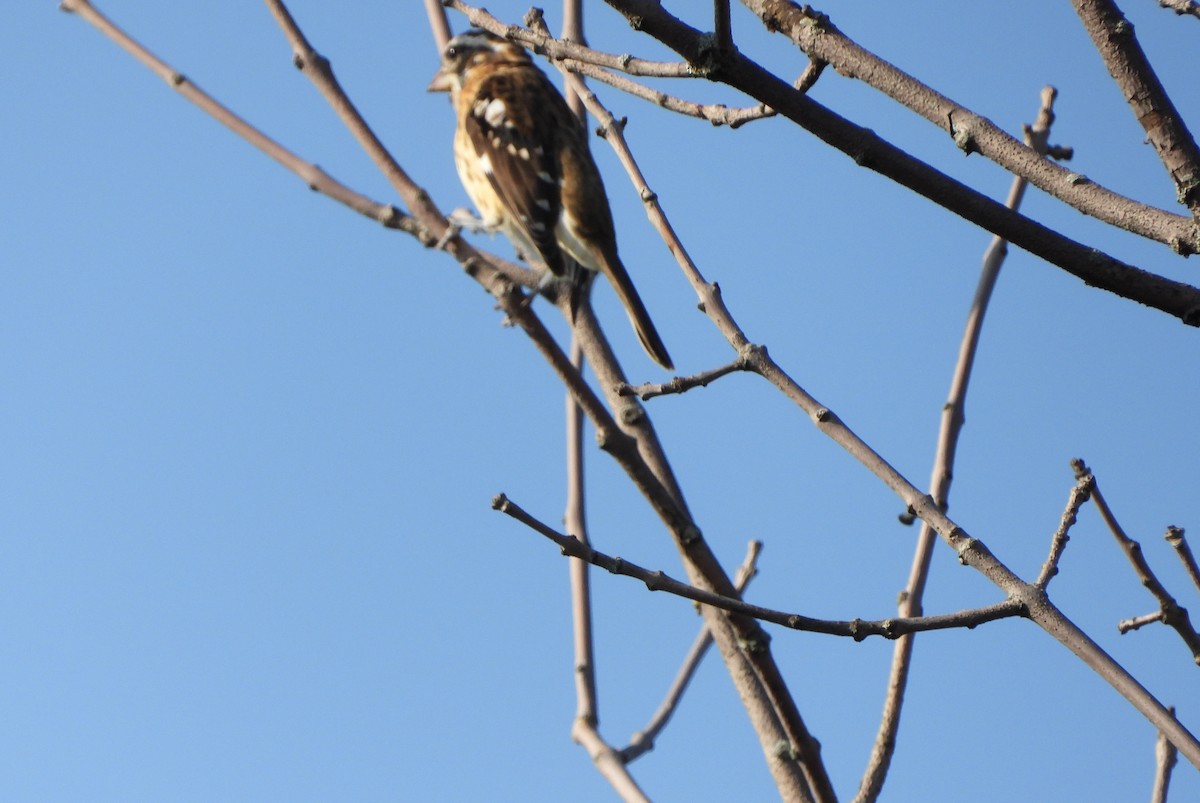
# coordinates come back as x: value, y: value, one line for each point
x: 1165, y: 129
x: 1080, y: 493
x: 1177, y: 541
x: 819, y: 38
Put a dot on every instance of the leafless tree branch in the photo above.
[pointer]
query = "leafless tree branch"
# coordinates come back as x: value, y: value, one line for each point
x: 1115, y: 40
x: 1182, y: 7
x: 857, y: 629
x: 682, y: 384
x: 819, y: 38
x: 1177, y: 541
x: 1079, y: 494
x: 953, y: 418
x: 1170, y: 613
x: 1165, y: 756
x: 643, y: 741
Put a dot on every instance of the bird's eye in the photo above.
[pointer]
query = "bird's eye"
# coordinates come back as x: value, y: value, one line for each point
x: 451, y: 52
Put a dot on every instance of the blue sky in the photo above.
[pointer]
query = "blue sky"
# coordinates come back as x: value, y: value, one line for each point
x: 251, y: 438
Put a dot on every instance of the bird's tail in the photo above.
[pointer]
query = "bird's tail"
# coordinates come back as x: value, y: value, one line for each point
x: 618, y: 277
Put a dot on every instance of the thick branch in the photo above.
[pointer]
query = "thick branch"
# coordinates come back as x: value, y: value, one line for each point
x: 1127, y: 63
x: 813, y: 33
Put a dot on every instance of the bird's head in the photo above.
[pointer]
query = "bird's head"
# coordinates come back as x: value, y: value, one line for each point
x: 470, y: 50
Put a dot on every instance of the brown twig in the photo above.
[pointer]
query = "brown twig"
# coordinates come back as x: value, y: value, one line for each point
x: 643, y: 741
x: 1165, y: 756
x: 682, y: 384
x: 857, y: 629
x: 1177, y: 541
x: 1170, y: 612
x: 1058, y: 542
x: 1115, y: 40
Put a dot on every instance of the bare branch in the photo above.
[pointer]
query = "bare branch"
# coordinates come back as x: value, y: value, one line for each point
x: 312, y: 175
x: 1182, y: 7
x: 1165, y: 129
x: 971, y: 551
x: 1079, y: 494
x: 439, y: 26
x: 820, y: 39
x: 545, y: 44
x: 716, y: 113
x: 1175, y: 538
x: 857, y: 629
x: 869, y: 150
x: 643, y: 741
x: 1138, y: 622
x: 1170, y: 611
x: 682, y: 384
x: 953, y: 418
x: 1165, y: 756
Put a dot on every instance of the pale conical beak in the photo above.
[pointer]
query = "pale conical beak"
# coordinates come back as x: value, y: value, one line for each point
x: 442, y: 82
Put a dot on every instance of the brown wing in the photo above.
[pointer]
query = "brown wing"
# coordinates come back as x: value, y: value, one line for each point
x: 516, y: 153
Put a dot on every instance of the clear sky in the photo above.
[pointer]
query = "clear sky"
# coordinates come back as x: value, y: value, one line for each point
x: 250, y: 438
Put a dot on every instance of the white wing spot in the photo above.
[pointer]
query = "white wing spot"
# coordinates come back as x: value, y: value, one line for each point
x: 494, y: 112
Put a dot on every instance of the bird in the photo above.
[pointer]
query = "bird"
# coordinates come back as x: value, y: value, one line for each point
x: 522, y: 157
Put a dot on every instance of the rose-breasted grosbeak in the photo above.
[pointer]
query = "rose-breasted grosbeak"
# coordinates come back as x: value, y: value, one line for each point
x: 523, y: 158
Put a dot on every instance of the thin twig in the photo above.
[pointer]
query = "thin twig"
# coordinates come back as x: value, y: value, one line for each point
x: 857, y: 629
x: 312, y: 175
x: 716, y: 113
x: 953, y: 418
x: 1137, y: 622
x: 1165, y: 756
x: 643, y: 741
x: 543, y: 42
x: 1079, y: 494
x: 682, y: 384
x: 1177, y: 541
x: 1171, y: 613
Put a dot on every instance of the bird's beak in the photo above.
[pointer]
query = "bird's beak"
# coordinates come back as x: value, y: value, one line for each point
x: 442, y: 82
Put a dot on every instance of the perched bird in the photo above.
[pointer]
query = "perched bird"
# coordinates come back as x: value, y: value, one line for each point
x: 523, y: 158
